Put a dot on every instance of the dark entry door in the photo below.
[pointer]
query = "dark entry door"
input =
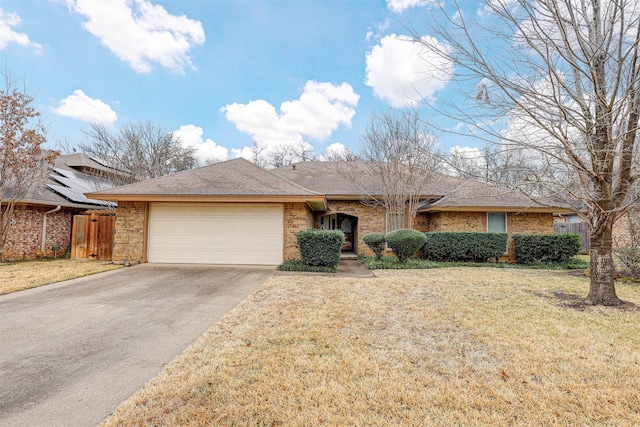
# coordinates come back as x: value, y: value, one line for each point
x: 347, y: 225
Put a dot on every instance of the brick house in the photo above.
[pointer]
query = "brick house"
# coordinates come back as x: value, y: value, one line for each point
x: 236, y: 212
x: 44, y: 218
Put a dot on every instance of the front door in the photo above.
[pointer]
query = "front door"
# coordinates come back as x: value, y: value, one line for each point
x: 347, y: 225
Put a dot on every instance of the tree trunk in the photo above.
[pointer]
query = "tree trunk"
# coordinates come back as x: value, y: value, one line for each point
x: 602, y: 290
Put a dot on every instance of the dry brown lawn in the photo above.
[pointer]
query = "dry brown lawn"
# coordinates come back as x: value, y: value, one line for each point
x: 30, y: 274
x: 463, y: 346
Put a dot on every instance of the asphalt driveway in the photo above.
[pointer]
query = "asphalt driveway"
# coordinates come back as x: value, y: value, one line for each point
x: 72, y: 351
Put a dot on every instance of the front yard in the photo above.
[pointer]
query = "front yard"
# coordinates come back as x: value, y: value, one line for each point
x: 454, y: 346
x: 17, y: 276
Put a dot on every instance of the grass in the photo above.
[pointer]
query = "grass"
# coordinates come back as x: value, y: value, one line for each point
x: 391, y: 263
x: 458, y: 346
x: 30, y: 274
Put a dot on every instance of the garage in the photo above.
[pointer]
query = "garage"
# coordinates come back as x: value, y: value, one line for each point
x: 216, y: 233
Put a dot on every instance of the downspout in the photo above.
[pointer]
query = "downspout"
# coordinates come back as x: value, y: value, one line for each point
x: 44, y: 226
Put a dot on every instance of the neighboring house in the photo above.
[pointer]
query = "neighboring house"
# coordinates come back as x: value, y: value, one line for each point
x: 43, y: 219
x: 235, y: 212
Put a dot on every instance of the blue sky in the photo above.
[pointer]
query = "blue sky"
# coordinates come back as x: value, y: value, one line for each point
x: 222, y: 74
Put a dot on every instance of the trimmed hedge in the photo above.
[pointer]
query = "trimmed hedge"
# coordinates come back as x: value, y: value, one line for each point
x: 404, y: 242
x: 464, y: 247
x: 320, y: 247
x: 546, y: 248
x: 376, y: 242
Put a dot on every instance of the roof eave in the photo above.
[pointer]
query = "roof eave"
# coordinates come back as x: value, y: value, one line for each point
x: 529, y: 209
x: 72, y: 205
x: 315, y: 202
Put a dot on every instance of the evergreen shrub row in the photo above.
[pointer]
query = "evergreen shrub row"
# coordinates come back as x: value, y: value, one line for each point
x: 545, y: 248
x: 464, y: 246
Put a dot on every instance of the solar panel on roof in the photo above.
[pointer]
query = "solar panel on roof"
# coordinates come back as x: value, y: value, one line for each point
x: 75, y: 197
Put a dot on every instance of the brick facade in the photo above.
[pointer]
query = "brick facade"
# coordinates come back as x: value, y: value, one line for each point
x: 369, y: 220
x: 517, y: 223
x: 624, y: 227
x: 131, y: 226
x: 457, y: 221
x: 297, y: 217
x: 25, y: 236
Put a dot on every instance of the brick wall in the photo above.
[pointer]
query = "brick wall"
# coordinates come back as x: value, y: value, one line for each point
x: 297, y: 217
x: 25, y: 236
x: 622, y: 228
x: 131, y: 224
x: 370, y: 220
x: 530, y: 223
x: 458, y: 221
x: 517, y: 223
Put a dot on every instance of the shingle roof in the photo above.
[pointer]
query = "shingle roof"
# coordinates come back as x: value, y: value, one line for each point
x: 241, y: 178
x: 238, y: 177
x: 474, y: 194
x: 340, y: 179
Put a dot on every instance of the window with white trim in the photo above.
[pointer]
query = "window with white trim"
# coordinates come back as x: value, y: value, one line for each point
x: 496, y: 222
x: 395, y: 220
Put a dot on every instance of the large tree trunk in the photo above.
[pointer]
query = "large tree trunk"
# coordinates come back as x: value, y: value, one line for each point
x: 602, y: 290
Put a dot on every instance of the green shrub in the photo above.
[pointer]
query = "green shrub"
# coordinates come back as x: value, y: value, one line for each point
x: 320, y: 247
x: 297, y: 265
x: 545, y: 248
x: 464, y: 247
x: 404, y: 242
x: 376, y: 242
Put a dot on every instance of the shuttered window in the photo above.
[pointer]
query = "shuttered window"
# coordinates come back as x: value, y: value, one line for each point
x: 496, y: 222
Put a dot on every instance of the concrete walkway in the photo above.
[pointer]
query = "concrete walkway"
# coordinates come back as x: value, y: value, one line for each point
x: 72, y: 351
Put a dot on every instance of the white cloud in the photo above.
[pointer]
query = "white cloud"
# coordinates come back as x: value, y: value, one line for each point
x: 402, y: 71
x: 319, y: 111
x: 377, y: 31
x: 79, y: 106
x: 141, y: 33
x: 398, y: 6
x: 206, y: 149
x: 466, y: 161
x: 8, y: 35
x: 472, y: 154
x: 337, y: 150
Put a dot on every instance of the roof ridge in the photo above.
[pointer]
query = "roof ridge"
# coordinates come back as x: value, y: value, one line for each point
x: 290, y: 182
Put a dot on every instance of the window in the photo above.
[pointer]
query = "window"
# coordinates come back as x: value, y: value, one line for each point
x: 496, y: 222
x: 395, y: 220
x: 573, y: 219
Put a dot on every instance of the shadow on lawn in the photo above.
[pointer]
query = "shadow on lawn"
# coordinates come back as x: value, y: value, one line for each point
x: 577, y: 302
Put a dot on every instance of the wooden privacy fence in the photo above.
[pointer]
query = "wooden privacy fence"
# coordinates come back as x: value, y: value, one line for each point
x: 581, y: 228
x: 92, y: 236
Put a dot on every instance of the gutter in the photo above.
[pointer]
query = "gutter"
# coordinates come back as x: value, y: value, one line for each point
x: 44, y: 226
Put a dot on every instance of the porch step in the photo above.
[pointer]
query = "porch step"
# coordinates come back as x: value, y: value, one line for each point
x: 348, y: 255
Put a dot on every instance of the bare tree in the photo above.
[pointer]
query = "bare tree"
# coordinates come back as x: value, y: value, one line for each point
x: 343, y: 155
x: 559, y: 82
x: 23, y: 160
x: 286, y: 154
x: 142, y: 151
x: 257, y: 154
x: 397, y: 161
x: 506, y: 167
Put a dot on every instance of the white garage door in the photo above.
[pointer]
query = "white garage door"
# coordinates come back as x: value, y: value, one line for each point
x: 213, y: 233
